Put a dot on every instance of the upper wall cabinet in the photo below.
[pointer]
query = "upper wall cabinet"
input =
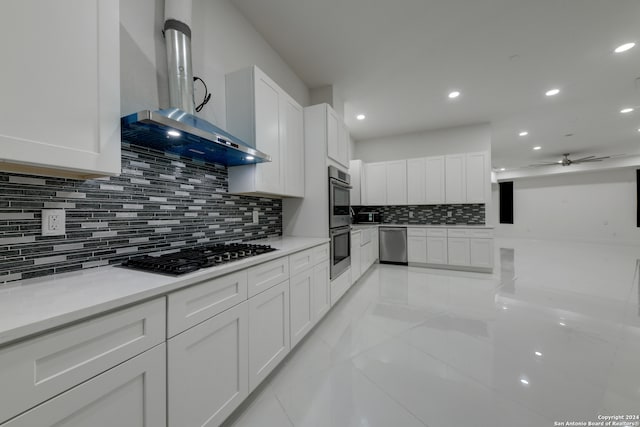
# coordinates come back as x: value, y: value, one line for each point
x: 397, y: 182
x: 376, y: 188
x: 265, y: 116
x: 477, y: 176
x: 425, y: 181
x: 356, y: 172
x: 337, y: 138
x: 455, y: 179
x: 60, y: 108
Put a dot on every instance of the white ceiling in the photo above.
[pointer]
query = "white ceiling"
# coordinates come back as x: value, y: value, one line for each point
x: 396, y: 61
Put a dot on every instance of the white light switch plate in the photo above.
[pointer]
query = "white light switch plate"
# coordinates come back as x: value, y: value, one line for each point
x: 53, y: 222
x: 256, y: 219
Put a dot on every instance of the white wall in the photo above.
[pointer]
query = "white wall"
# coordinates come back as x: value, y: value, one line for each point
x: 460, y: 139
x: 589, y: 206
x: 222, y: 41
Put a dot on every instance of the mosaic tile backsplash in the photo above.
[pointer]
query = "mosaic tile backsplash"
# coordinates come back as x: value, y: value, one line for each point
x: 467, y: 214
x: 160, y: 202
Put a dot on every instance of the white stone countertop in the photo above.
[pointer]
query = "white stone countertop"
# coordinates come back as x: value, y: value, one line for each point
x: 356, y: 227
x: 33, y: 306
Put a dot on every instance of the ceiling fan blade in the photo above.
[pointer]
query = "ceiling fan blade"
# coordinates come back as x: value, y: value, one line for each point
x: 582, y: 159
x: 543, y: 164
x: 599, y: 159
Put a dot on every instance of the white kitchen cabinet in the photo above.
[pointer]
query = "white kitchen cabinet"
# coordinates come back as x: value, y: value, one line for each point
x: 45, y: 366
x: 356, y: 271
x: 458, y: 251
x: 356, y: 172
x: 302, y: 309
x: 333, y: 139
x: 376, y: 177
x: 435, y: 180
x: 476, y: 177
x: 340, y: 285
x: 321, y: 290
x: 263, y: 115
x: 269, y: 339
x: 416, y: 181
x: 455, y: 179
x: 293, y: 146
x: 208, y: 369
x: 437, y: 250
x: 417, y: 245
x: 481, y: 252
x: 263, y: 276
x: 396, y: 182
x: 375, y: 245
x: 343, y: 144
x: 131, y: 394
x: 60, y: 104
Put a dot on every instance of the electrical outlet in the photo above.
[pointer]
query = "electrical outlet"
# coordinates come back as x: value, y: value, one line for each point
x: 449, y: 214
x: 53, y: 222
x: 256, y: 219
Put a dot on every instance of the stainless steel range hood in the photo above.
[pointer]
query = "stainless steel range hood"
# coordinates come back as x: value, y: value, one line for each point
x: 177, y: 130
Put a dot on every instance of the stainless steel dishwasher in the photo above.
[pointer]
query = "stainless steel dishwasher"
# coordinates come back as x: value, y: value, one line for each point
x: 393, y: 245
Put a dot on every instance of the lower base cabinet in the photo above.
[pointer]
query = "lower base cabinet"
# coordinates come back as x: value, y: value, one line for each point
x: 356, y: 255
x: 208, y: 369
x: 437, y: 251
x: 302, y: 305
x: 458, y: 251
x: 417, y: 249
x: 321, y: 291
x: 481, y: 253
x: 130, y: 395
x: 269, y: 340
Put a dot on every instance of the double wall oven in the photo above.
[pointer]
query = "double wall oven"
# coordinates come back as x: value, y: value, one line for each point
x: 339, y: 221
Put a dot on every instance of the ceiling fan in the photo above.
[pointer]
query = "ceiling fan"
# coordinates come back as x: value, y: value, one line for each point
x: 566, y: 161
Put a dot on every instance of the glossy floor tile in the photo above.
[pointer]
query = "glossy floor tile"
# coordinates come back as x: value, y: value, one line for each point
x: 552, y: 336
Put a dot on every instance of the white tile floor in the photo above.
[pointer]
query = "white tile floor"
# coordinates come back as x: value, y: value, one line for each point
x: 553, y: 335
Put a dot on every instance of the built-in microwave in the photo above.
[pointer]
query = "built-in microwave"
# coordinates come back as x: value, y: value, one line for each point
x: 363, y: 217
x: 339, y: 198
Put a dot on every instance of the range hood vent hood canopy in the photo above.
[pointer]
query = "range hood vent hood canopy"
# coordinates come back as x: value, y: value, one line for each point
x: 177, y: 130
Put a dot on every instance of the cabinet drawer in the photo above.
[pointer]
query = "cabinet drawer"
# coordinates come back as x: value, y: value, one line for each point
x: 321, y: 253
x: 194, y: 305
x: 437, y: 232
x: 43, y: 367
x: 263, y: 276
x: 481, y: 234
x: 416, y: 232
x: 458, y: 233
x: 300, y: 262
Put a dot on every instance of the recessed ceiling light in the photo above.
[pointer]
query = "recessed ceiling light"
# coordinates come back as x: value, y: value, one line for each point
x: 559, y: 161
x: 249, y: 158
x: 562, y: 324
x: 537, y: 147
x: 524, y: 381
x: 173, y: 133
x: 538, y: 354
x: 454, y: 94
x: 624, y: 47
x: 626, y: 110
x: 523, y: 133
x: 503, y: 169
x: 361, y: 117
x: 638, y: 129
x: 552, y: 92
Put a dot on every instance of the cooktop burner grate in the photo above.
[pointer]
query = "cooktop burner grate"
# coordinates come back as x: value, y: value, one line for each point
x: 188, y: 260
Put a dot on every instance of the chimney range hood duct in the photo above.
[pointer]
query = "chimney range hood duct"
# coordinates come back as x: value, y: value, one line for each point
x: 177, y: 130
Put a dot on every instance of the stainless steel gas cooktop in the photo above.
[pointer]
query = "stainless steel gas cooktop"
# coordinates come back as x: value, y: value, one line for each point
x: 188, y: 260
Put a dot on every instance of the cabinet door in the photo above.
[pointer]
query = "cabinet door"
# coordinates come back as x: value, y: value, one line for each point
x: 207, y: 369
x: 458, y: 251
x: 301, y: 306
x: 434, y: 192
x: 417, y: 249
x: 292, y: 141
x: 343, y: 144
x: 376, y: 177
x: 321, y: 291
x: 355, y: 256
x: 132, y: 394
x: 476, y: 176
x: 455, y: 181
x: 269, y: 176
x: 397, y: 182
x: 60, y: 104
x: 437, y: 250
x: 416, y: 182
x: 375, y: 241
x: 333, y: 139
x: 355, y: 168
x: 365, y: 253
x: 268, y: 332
x: 481, y: 253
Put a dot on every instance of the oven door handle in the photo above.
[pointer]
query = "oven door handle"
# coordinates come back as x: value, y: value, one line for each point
x: 341, y: 230
x: 339, y: 183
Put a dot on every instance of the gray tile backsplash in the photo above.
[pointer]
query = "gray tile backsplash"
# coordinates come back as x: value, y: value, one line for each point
x: 467, y: 214
x: 160, y: 202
